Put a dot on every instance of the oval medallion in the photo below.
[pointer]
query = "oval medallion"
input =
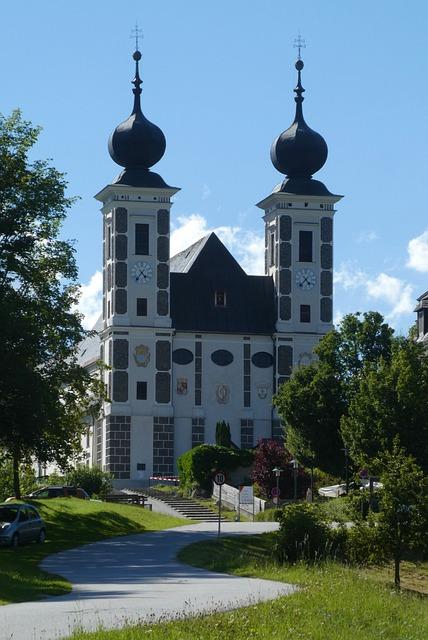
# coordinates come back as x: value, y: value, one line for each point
x: 262, y: 359
x: 222, y: 357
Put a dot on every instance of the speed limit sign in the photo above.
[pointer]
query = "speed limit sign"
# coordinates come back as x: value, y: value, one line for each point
x: 220, y: 478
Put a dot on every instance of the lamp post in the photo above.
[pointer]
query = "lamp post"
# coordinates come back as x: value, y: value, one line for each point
x: 295, y: 467
x: 277, y: 471
x: 345, y: 451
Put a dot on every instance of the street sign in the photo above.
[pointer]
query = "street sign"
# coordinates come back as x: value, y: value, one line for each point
x: 220, y: 478
x: 275, y: 492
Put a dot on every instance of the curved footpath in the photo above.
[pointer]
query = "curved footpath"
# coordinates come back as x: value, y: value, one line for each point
x: 135, y: 578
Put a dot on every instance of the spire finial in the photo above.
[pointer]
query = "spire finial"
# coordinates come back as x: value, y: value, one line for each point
x: 136, y: 33
x: 299, y: 44
x: 137, y: 82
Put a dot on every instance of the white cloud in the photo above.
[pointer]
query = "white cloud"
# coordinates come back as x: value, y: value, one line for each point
x: 396, y: 293
x: 90, y: 302
x: 366, y: 236
x: 186, y: 231
x: 418, y: 253
x: 349, y: 276
x: 245, y: 245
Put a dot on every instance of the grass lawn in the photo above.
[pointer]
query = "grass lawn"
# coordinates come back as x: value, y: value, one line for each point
x: 70, y: 523
x: 334, y: 602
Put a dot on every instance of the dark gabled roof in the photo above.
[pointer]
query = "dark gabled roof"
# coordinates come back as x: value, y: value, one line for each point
x: 181, y: 262
x: 206, y: 267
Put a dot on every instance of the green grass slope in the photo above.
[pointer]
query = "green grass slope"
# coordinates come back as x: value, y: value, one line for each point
x: 70, y: 523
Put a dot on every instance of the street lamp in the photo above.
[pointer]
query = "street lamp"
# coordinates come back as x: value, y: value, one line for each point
x: 346, y: 452
x: 295, y: 467
x: 277, y: 471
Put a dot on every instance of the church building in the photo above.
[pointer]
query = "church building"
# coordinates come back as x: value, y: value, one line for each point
x: 192, y: 339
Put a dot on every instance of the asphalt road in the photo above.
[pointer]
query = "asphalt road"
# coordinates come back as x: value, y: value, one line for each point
x: 135, y: 578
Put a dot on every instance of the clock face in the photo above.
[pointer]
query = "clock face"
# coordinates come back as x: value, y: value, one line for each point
x: 142, y: 272
x: 305, y: 278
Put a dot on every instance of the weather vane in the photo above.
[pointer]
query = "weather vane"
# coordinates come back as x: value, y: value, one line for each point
x: 136, y: 33
x: 299, y: 44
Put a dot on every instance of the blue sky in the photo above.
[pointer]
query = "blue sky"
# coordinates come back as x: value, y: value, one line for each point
x: 218, y: 79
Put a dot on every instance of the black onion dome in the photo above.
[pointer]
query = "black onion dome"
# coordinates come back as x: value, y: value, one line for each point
x: 299, y: 152
x: 136, y: 144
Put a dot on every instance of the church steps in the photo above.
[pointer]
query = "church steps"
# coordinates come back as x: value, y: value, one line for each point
x: 185, y: 507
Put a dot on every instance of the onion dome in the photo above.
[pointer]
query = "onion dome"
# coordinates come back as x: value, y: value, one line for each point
x: 299, y: 152
x: 137, y: 144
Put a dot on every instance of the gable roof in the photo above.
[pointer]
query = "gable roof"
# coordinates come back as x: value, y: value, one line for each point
x: 206, y: 267
x: 181, y: 262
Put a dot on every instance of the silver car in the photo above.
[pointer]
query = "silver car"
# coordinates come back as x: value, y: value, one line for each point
x: 20, y: 523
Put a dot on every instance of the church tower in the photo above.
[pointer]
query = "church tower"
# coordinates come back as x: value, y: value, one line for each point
x: 136, y: 337
x: 299, y: 242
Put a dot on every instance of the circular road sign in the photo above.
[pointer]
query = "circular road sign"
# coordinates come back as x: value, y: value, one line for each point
x: 220, y: 478
x: 275, y: 492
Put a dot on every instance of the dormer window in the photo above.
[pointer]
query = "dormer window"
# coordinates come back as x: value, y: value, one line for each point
x: 220, y: 298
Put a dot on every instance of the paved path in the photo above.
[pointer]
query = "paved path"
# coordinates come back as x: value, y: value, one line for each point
x: 132, y: 578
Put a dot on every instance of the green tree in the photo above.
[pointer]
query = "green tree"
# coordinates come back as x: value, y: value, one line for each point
x: 402, y: 519
x: 43, y: 390
x: 312, y: 403
x: 222, y: 434
x: 391, y: 400
x: 360, y: 339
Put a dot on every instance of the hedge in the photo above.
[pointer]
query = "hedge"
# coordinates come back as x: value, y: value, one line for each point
x: 197, y: 466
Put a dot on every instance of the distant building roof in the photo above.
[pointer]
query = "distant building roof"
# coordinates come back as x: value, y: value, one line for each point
x: 89, y: 351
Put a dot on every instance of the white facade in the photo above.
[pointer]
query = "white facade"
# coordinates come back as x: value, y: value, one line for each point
x: 162, y: 405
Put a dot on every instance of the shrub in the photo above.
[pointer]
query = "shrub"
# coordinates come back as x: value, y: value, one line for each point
x: 303, y: 534
x: 197, y: 466
x: 364, y: 545
x: 337, y: 509
x: 92, y: 479
x: 268, y: 515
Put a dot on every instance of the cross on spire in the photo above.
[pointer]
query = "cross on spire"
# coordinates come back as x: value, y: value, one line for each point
x: 299, y: 44
x: 136, y: 33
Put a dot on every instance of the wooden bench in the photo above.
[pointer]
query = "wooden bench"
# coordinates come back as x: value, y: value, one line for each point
x: 133, y: 498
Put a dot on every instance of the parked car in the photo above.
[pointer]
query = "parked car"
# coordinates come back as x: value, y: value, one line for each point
x: 57, y: 492
x: 20, y: 523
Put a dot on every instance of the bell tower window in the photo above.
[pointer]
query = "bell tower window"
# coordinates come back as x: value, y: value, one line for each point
x: 305, y: 246
x: 141, y: 239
